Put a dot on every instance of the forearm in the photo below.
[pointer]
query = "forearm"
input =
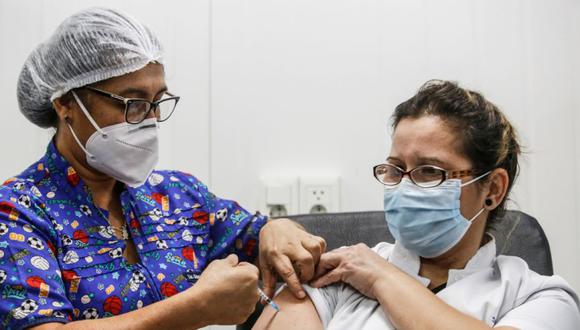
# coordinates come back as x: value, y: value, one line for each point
x: 177, y: 312
x: 409, y: 305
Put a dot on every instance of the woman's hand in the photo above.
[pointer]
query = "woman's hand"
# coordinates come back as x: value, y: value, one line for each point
x: 288, y: 250
x: 356, y: 265
x: 229, y: 290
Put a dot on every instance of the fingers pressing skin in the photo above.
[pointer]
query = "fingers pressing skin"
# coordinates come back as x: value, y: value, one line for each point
x: 357, y: 265
x: 284, y: 268
x: 331, y: 277
x: 303, y: 264
x: 314, y: 247
x: 289, y: 251
x: 328, y: 262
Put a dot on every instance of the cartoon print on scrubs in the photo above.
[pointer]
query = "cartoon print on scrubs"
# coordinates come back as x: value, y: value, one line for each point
x: 60, y: 259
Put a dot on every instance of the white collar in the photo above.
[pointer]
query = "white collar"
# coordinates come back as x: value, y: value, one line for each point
x: 410, y: 263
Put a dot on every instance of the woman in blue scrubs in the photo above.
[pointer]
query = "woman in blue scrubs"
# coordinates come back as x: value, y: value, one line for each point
x: 91, y: 236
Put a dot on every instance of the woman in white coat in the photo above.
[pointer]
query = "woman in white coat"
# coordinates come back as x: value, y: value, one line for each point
x: 453, y: 161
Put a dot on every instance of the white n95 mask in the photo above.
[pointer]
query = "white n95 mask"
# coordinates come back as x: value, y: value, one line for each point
x: 126, y: 152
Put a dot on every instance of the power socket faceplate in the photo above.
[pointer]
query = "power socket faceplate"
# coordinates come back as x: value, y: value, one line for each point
x: 319, y: 194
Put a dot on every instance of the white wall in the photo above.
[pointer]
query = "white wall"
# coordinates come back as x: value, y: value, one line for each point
x: 576, y: 113
x: 306, y: 87
x: 184, y: 31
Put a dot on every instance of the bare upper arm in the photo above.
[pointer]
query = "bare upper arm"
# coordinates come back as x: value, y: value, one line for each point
x: 294, y: 314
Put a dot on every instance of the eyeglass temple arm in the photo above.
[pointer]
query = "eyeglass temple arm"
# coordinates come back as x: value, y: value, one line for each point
x: 458, y: 174
x: 115, y: 96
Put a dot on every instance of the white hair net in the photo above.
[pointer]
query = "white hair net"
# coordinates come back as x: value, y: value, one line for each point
x: 90, y: 46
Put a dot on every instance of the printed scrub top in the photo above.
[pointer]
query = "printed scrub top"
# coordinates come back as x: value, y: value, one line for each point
x: 60, y: 260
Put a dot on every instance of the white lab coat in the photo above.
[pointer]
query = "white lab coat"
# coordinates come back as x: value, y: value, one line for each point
x: 498, y: 290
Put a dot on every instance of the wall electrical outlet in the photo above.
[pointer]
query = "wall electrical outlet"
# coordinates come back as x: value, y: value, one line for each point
x: 319, y: 195
x: 280, y: 196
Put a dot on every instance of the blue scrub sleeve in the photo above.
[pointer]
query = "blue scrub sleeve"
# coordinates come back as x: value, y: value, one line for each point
x: 232, y: 229
x: 31, y: 288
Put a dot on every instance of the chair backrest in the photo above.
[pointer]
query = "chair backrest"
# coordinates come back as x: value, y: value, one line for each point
x: 516, y: 234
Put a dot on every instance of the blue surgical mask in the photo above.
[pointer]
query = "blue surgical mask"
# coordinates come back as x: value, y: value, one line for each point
x: 427, y: 221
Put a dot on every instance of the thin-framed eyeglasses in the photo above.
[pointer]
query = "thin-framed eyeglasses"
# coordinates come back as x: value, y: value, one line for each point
x: 137, y: 110
x: 425, y: 176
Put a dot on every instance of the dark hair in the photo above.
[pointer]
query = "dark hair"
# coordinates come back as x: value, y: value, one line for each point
x: 487, y: 138
x: 67, y: 98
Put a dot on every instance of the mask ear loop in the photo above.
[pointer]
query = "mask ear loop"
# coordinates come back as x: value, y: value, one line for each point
x: 82, y: 106
x: 86, y: 112
x: 470, y: 182
x: 477, y: 215
x: 79, y: 141
x: 476, y: 179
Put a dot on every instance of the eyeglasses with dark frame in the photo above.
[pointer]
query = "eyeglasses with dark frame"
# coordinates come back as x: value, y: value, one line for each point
x: 137, y: 110
x: 425, y: 176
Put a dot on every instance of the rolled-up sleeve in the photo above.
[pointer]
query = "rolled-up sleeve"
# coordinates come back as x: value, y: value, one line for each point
x: 325, y: 300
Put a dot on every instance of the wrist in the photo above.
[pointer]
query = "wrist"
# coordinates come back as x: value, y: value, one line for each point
x: 282, y: 222
x: 192, y: 308
x: 378, y: 288
x: 381, y: 283
x: 197, y: 307
x: 185, y: 310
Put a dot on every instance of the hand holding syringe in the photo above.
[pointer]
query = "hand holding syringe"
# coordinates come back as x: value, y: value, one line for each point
x: 268, y: 300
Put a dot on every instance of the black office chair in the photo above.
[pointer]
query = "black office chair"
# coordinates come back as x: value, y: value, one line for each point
x: 516, y: 234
